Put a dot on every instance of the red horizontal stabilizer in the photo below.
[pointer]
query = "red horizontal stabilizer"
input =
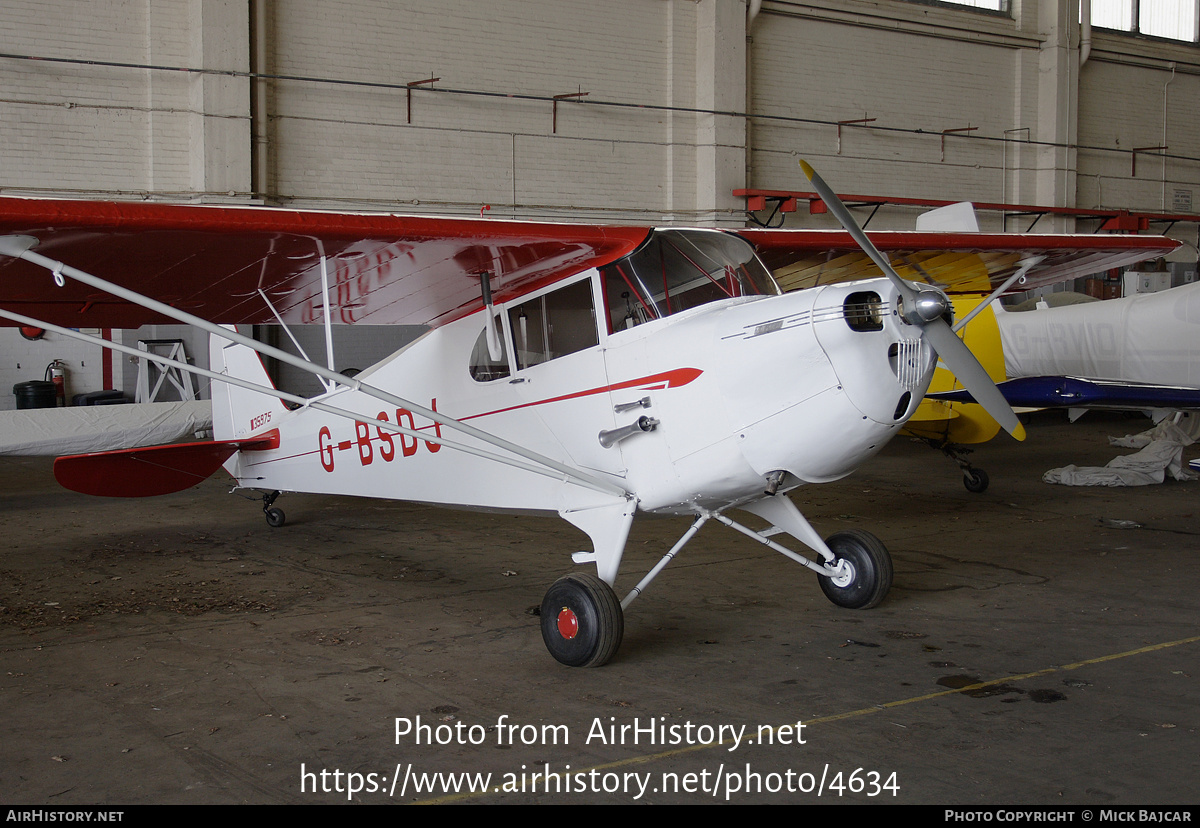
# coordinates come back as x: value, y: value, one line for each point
x: 152, y: 470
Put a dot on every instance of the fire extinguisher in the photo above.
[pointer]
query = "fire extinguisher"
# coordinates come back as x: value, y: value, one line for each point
x: 56, y: 372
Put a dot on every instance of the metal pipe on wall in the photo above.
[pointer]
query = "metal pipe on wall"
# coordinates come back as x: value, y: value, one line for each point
x: 1085, y: 31
x: 259, y: 130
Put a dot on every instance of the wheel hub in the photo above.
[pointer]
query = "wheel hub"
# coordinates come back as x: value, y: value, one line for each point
x: 843, y: 574
x: 568, y: 623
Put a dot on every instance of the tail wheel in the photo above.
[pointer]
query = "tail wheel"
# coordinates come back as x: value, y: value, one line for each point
x: 274, y: 515
x: 867, y: 570
x: 582, y: 621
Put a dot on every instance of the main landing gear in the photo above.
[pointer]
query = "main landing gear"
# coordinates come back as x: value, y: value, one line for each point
x: 866, y: 570
x: 583, y: 622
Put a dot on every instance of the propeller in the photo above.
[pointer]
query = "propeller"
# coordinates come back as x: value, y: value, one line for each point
x: 926, y: 308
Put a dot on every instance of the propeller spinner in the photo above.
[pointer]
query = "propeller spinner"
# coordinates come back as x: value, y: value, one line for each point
x: 926, y: 308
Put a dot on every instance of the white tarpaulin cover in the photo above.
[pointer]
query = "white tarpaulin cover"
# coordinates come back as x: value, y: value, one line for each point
x: 1162, y: 452
x: 1151, y: 338
x: 83, y: 429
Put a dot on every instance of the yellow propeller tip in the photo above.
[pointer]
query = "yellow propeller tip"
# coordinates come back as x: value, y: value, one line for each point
x: 808, y: 171
x: 1019, y: 432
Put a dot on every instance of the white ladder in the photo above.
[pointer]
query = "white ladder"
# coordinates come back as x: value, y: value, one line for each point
x: 182, y: 382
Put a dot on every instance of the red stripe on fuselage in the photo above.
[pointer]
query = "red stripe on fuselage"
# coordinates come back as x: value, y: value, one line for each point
x: 668, y: 379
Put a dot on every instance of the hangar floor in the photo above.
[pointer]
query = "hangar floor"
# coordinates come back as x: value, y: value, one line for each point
x: 1035, y: 649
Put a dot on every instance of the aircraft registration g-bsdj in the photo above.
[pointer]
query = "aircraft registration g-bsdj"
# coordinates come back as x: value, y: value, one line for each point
x: 592, y: 372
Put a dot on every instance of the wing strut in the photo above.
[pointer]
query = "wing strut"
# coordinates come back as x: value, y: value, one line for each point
x: 1026, y: 265
x: 19, y: 247
x: 328, y: 315
x: 284, y: 325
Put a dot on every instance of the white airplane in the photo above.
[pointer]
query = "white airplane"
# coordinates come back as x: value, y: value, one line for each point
x: 591, y: 372
x: 1146, y: 338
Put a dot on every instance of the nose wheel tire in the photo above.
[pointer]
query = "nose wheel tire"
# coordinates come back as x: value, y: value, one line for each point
x: 582, y: 621
x: 866, y: 570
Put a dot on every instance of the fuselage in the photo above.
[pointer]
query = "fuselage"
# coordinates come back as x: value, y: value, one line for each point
x: 704, y: 405
x: 1148, y: 337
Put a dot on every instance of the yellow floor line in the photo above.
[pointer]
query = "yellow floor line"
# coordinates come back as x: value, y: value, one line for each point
x: 835, y: 717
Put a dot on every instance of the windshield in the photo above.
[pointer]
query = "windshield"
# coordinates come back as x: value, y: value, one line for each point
x: 680, y: 269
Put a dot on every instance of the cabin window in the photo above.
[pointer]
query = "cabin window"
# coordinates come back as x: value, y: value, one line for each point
x: 554, y: 324
x: 483, y: 367
x: 679, y: 269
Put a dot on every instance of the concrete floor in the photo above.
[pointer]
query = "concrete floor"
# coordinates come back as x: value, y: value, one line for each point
x: 178, y: 650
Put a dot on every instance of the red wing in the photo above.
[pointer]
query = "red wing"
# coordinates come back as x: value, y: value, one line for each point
x: 151, y: 470
x: 212, y: 261
x: 959, y: 262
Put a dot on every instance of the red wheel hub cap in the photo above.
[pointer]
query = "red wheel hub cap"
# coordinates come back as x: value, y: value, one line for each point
x: 568, y: 624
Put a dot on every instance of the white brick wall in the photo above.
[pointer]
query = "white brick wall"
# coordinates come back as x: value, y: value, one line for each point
x: 911, y: 67
x: 934, y: 75
x: 463, y: 151
x: 1122, y: 104
x: 69, y: 128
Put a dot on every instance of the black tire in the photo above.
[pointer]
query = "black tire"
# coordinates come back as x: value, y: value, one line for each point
x: 582, y: 621
x: 871, y: 577
x: 976, y: 480
x: 275, y: 517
